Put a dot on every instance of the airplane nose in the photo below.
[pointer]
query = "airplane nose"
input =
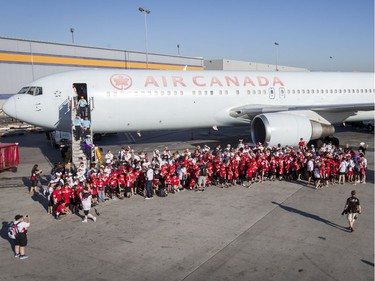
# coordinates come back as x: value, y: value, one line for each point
x: 9, y: 107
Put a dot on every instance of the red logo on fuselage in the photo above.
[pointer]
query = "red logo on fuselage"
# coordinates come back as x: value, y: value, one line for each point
x: 121, y: 81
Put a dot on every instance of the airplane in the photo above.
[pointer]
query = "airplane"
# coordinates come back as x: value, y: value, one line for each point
x: 280, y: 107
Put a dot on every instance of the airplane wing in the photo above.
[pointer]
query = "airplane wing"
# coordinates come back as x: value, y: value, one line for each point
x: 333, y: 112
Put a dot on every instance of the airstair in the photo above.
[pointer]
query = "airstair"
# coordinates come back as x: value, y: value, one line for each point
x: 80, y: 150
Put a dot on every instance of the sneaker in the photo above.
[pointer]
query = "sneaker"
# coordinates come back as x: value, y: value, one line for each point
x: 23, y: 257
x: 147, y: 198
x: 16, y: 255
x: 94, y: 219
x: 85, y: 220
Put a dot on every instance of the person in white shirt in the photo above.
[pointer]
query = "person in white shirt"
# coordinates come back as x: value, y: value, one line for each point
x: 149, y: 180
x: 342, y: 171
x: 86, y: 198
x: 21, y: 237
x: 108, y: 157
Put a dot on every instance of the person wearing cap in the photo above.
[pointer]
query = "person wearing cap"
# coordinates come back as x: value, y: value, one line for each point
x: 352, y: 209
x: 21, y: 239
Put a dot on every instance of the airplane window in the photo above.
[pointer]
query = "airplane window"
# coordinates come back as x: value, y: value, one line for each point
x: 220, y: 92
x: 200, y: 93
x: 226, y: 92
x: 205, y: 93
x: 31, y: 91
x: 38, y: 91
x: 181, y: 93
x: 237, y: 92
x: 254, y: 92
x: 23, y: 91
x: 344, y: 91
x: 175, y: 93
x: 312, y: 91
x: 248, y: 92
x: 193, y: 92
x: 298, y: 92
x: 357, y: 91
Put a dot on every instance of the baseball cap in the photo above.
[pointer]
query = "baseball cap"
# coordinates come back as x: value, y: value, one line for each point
x: 17, y: 217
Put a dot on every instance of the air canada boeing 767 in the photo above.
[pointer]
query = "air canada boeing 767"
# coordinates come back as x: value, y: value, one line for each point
x: 280, y: 107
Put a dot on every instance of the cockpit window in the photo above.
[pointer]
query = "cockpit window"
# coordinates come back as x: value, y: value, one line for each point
x: 34, y: 91
x: 23, y: 91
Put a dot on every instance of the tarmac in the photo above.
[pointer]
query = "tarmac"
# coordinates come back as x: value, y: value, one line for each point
x: 271, y: 231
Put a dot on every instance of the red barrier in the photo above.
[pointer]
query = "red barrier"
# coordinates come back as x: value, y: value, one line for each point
x: 9, y: 156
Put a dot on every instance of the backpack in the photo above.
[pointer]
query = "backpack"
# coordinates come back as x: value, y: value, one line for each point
x: 13, y: 230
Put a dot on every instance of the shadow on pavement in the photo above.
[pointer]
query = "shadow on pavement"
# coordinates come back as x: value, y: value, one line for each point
x: 310, y: 216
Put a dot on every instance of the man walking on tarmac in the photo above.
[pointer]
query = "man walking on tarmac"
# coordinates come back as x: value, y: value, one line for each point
x: 352, y: 209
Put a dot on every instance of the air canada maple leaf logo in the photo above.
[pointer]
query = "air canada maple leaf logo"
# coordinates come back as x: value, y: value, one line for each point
x: 121, y: 81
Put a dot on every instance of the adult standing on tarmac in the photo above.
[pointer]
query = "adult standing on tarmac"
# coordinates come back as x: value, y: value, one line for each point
x: 35, y: 176
x: 149, y: 181
x: 352, y: 209
x: 21, y: 238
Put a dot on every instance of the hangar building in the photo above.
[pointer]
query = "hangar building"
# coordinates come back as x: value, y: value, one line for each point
x: 226, y: 64
x: 22, y: 61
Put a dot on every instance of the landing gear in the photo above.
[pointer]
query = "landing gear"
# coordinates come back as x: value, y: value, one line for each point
x: 335, y: 141
x: 319, y: 142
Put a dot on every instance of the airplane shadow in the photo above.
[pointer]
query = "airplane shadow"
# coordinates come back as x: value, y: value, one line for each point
x: 310, y: 216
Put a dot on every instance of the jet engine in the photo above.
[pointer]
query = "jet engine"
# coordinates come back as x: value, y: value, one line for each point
x: 287, y: 129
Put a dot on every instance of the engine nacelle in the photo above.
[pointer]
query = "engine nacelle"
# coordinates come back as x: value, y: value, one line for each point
x: 286, y: 129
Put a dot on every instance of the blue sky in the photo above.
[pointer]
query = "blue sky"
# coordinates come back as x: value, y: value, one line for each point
x: 309, y: 32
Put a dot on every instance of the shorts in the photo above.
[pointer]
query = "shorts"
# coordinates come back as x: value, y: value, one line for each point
x: 34, y: 182
x: 352, y: 216
x: 202, y: 180
x: 21, y: 240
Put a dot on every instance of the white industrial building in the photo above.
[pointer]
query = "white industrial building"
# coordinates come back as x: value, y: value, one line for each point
x: 22, y: 61
x: 227, y: 64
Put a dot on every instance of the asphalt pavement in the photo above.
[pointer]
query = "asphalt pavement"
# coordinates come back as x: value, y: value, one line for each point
x: 272, y: 231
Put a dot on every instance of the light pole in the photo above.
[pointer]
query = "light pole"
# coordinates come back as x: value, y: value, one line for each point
x: 277, y: 55
x: 72, y: 31
x: 178, y: 49
x: 146, y: 12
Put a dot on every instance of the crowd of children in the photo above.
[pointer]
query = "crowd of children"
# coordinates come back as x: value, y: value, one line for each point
x: 124, y: 175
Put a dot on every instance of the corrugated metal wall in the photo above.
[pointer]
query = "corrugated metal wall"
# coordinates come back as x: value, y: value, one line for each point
x: 22, y: 61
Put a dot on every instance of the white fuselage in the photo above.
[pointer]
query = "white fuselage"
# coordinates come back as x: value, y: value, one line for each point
x: 133, y: 100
